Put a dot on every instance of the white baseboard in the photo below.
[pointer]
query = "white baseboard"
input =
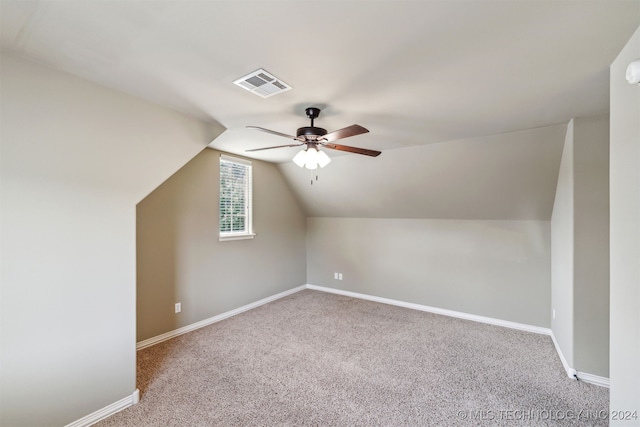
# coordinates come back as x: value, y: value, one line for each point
x: 192, y: 327
x: 571, y: 373
x: 435, y: 310
x: 593, y: 379
x: 577, y: 375
x: 107, y: 411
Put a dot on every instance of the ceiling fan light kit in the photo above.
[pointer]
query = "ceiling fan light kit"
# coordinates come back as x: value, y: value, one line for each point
x: 311, y: 158
x: 314, y: 137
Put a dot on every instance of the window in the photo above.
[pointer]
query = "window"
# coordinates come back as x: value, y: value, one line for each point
x: 235, y: 199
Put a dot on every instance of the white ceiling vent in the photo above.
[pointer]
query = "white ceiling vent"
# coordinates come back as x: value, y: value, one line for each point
x: 262, y: 84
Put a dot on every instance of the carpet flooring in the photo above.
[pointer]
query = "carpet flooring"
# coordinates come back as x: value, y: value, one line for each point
x: 315, y: 358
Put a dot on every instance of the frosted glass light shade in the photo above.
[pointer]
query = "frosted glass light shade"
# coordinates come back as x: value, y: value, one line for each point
x: 312, y: 158
x: 633, y: 72
x: 300, y: 158
x: 323, y: 159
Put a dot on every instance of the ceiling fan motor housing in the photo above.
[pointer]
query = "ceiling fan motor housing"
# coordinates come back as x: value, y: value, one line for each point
x: 311, y: 132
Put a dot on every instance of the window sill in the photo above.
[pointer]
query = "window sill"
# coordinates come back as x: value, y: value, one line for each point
x: 237, y: 237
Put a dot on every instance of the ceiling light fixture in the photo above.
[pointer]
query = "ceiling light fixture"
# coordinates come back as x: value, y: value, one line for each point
x: 312, y: 138
x: 311, y: 157
x: 633, y: 72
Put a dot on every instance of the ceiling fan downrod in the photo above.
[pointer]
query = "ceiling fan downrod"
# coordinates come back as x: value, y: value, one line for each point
x: 311, y: 133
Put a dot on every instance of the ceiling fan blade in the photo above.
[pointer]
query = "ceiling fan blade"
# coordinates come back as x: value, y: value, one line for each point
x: 352, y: 130
x: 274, y: 132
x: 372, y: 153
x: 277, y: 146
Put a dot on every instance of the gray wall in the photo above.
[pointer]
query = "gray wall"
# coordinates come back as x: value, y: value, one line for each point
x: 499, y: 269
x: 591, y: 245
x: 76, y: 158
x: 562, y: 238
x: 180, y: 258
x: 580, y: 247
x: 625, y: 235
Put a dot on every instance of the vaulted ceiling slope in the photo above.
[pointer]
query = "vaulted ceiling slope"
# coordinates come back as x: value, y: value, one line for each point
x: 510, y: 176
x: 414, y: 73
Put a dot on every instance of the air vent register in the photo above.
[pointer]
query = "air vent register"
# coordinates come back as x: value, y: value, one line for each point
x: 262, y: 84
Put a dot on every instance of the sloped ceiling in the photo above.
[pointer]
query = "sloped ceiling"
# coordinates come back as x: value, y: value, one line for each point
x: 429, y: 79
x: 506, y: 176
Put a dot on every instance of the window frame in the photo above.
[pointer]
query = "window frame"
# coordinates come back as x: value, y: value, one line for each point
x: 247, y: 233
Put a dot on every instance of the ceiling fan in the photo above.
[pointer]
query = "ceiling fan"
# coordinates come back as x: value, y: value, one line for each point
x: 314, y: 137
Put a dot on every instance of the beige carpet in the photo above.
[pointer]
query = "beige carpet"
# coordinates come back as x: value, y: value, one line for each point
x: 321, y: 359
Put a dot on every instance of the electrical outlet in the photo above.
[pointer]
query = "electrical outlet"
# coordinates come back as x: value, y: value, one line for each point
x: 339, y: 276
x: 554, y: 313
x: 335, y: 276
x: 178, y: 307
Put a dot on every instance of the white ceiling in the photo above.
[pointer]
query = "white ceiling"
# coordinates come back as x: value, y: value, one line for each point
x: 412, y: 72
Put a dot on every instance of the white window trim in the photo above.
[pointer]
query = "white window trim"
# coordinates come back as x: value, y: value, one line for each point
x: 226, y: 238
x: 249, y: 234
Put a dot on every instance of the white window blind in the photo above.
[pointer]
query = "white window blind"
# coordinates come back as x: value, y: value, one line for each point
x: 235, y: 198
